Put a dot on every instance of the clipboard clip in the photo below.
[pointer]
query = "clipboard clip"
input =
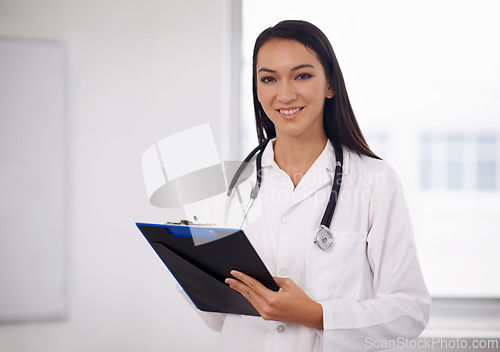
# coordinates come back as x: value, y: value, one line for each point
x: 184, y: 222
x: 181, y: 222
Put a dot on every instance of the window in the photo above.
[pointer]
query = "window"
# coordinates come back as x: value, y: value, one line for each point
x: 487, y: 163
x: 458, y: 162
x: 426, y: 98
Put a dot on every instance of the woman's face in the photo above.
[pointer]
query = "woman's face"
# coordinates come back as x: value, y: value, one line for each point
x: 292, y: 87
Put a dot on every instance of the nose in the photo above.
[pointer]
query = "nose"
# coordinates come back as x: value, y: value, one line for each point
x: 286, y: 93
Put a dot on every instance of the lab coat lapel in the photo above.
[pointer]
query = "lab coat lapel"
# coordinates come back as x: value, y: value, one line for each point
x: 315, y: 178
x: 320, y: 174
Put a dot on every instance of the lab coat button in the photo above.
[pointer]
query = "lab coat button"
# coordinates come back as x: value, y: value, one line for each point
x: 280, y: 329
x: 283, y: 272
x: 285, y: 219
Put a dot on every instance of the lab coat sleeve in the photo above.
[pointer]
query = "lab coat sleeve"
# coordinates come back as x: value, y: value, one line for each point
x: 213, y: 320
x: 399, y: 308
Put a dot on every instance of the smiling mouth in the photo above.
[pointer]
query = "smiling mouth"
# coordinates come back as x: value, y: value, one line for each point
x: 290, y: 111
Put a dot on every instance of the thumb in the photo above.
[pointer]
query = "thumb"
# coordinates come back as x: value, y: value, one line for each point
x: 280, y: 281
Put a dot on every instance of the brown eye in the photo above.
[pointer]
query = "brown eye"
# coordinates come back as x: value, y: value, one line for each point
x: 304, y: 76
x: 267, y: 79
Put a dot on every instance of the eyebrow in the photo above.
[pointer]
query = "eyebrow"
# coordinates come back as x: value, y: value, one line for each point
x: 264, y: 69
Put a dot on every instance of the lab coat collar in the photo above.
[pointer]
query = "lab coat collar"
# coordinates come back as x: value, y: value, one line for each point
x: 328, y: 161
x: 320, y: 173
x: 268, y: 156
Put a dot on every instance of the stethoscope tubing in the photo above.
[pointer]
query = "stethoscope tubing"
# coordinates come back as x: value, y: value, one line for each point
x: 337, y: 182
x: 255, y: 191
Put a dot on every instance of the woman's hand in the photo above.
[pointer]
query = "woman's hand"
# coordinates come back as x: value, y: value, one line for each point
x: 289, y: 305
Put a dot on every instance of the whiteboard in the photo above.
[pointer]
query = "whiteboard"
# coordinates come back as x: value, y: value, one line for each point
x: 32, y: 180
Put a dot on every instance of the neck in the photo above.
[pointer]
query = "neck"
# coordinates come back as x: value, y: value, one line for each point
x: 295, y: 156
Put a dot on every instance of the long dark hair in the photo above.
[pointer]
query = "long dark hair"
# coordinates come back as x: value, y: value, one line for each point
x: 339, y: 121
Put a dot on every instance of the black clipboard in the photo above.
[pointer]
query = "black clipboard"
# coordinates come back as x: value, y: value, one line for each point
x: 201, y: 258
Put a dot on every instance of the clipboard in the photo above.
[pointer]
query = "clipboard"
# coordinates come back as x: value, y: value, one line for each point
x: 202, y: 268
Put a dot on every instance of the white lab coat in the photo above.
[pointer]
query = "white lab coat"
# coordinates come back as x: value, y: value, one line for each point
x: 370, y: 284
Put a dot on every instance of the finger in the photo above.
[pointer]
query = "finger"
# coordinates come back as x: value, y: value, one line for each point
x: 250, y: 288
x: 238, y: 286
x: 243, y: 289
x: 253, y: 284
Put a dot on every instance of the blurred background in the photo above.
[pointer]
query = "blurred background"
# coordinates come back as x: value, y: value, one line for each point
x: 87, y: 87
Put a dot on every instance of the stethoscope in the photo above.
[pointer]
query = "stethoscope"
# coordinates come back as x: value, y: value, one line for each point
x: 324, y: 237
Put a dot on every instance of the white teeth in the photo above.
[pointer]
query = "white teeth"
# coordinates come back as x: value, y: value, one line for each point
x: 289, y: 112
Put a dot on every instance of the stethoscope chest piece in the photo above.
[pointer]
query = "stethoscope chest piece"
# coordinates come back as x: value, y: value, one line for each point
x: 324, y: 238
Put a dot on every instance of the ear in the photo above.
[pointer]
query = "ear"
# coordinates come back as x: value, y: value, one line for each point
x: 329, y: 92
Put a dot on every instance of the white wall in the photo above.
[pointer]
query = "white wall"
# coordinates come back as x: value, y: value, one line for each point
x: 138, y: 70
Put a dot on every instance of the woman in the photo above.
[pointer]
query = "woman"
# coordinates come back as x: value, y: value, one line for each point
x: 368, y: 288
